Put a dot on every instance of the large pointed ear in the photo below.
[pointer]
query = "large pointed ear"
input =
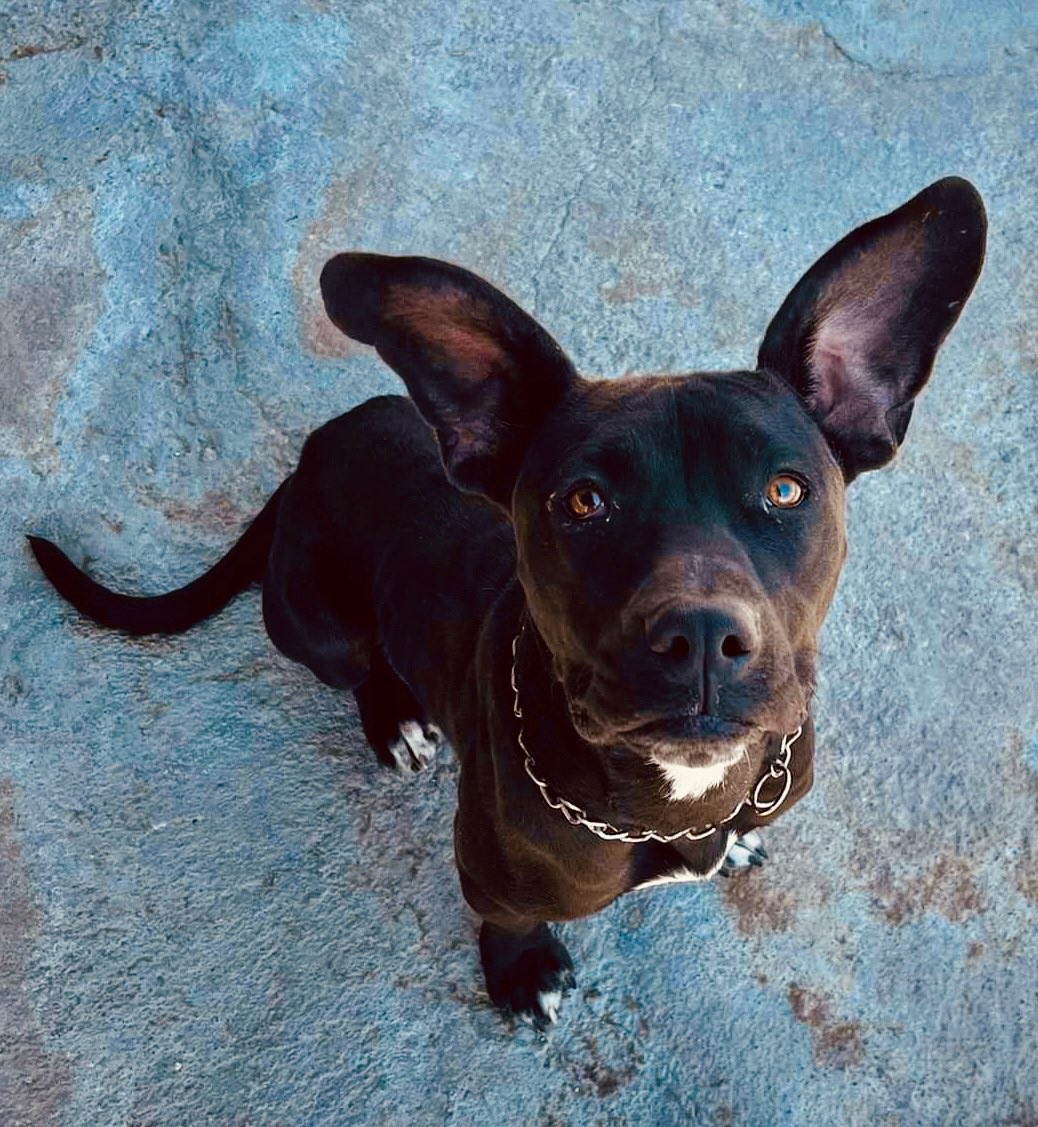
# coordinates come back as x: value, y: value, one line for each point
x: 858, y: 335
x: 482, y: 372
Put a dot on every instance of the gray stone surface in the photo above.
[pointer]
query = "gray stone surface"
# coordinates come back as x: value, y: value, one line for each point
x: 214, y: 908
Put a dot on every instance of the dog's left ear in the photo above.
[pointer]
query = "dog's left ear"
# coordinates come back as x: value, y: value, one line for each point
x: 481, y: 372
x: 858, y: 334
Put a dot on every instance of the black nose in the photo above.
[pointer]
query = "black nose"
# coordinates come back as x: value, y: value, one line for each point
x: 714, y: 638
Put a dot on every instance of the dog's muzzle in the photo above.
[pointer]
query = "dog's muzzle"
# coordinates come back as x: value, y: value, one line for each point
x: 776, y: 777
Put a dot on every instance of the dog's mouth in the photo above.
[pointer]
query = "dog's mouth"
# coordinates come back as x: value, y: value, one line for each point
x: 691, y: 739
x: 607, y: 713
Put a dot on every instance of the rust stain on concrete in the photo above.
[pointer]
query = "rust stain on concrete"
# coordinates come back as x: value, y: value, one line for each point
x: 216, y: 511
x: 1026, y: 877
x: 949, y: 887
x: 48, y: 309
x: 1024, y: 1113
x: 600, y: 1065
x: 34, y: 1084
x: 760, y: 905
x: 639, y: 246
x: 345, y: 202
x: 771, y: 900
x: 837, y: 1044
x: 1022, y: 781
x: 29, y: 50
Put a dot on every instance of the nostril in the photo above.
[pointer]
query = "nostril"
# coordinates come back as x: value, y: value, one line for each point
x: 673, y: 644
x: 679, y: 648
x: 710, y: 636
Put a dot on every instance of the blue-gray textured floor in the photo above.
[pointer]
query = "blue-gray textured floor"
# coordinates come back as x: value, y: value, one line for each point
x: 214, y: 908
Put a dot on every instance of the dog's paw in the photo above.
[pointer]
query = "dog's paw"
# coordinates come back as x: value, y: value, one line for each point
x: 399, y: 732
x: 526, y: 977
x: 746, y: 852
x: 415, y: 747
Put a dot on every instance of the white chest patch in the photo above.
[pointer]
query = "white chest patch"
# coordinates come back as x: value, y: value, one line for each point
x: 694, y: 782
x: 686, y: 876
x: 678, y: 876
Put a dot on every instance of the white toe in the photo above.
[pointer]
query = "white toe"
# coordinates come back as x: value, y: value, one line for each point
x: 422, y: 750
x: 549, y: 1002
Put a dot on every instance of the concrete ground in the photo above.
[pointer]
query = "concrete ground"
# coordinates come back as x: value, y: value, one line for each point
x: 214, y: 907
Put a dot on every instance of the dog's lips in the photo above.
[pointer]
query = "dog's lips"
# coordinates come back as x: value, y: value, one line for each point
x: 686, y: 738
x: 693, y: 741
x: 698, y: 728
x: 604, y: 715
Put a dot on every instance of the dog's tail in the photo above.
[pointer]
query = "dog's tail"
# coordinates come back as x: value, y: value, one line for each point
x: 178, y: 610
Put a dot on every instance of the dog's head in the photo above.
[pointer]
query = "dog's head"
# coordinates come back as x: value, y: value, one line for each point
x: 679, y: 537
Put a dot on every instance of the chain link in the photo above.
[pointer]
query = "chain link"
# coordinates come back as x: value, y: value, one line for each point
x: 778, y: 769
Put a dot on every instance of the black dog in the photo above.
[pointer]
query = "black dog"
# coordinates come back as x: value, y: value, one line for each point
x: 610, y: 600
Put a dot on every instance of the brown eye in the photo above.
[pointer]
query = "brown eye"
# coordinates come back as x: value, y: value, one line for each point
x: 785, y: 492
x: 584, y: 502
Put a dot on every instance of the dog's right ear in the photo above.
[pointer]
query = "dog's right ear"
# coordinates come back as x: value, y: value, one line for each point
x: 482, y: 372
x: 858, y: 334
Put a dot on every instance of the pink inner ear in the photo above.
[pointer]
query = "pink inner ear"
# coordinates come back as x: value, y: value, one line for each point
x: 843, y: 397
x: 842, y: 360
x: 456, y: 329
x: 828, y: 367
x: 857, y: 325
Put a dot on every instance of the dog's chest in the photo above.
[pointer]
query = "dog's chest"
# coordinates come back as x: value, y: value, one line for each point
x: 654, y: 863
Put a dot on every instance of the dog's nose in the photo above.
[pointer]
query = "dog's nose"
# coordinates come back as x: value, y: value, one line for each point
x: 717, y: 638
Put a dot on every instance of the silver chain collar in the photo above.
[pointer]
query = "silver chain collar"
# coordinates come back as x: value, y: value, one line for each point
x: 778, y: 769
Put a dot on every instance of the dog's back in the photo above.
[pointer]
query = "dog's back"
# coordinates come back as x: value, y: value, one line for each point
x: 375, y: 548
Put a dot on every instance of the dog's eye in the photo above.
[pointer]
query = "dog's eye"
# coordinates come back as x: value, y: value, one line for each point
x: 785, y: 491
x: 584, y: 502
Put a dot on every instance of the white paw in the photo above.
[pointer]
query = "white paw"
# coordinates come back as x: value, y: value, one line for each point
x: 746, y: 852
x: 548, y: 1002
x: 417, y: 746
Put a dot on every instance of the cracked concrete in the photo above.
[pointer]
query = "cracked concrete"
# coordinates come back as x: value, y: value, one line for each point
x: 945, y: 39
x: 214, y: 907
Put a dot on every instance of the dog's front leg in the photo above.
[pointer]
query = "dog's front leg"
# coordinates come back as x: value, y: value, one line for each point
x: 527, y: 969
